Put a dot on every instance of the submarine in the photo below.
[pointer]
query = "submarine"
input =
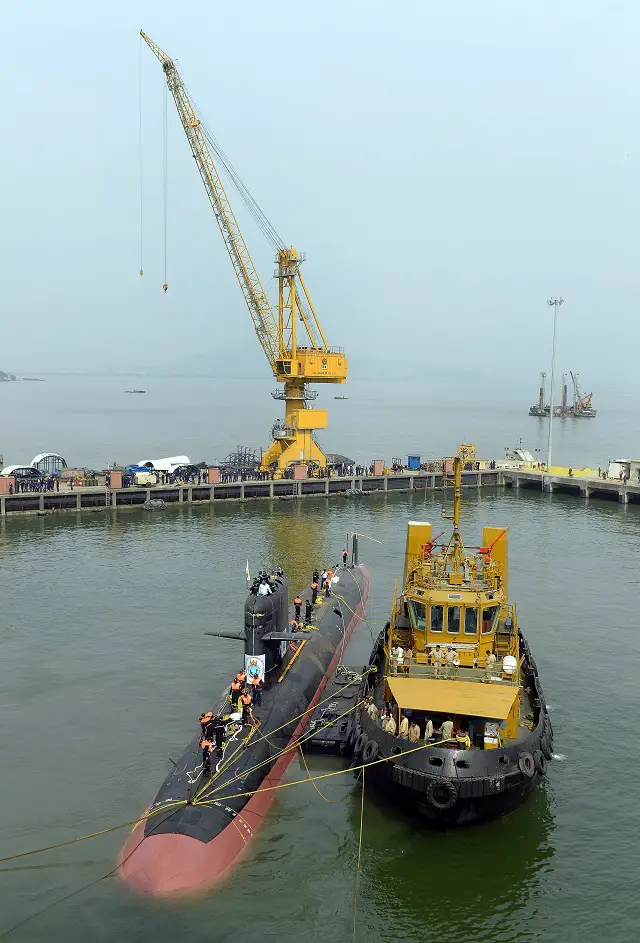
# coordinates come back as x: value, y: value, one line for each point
x: 201, y: 823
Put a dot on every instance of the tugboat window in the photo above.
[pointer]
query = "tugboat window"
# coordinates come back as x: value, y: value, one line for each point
x: 453, y: 624
x: 417, y: 615
x: 437, y: 618
x: 470, y: 621
x: 489, y: 618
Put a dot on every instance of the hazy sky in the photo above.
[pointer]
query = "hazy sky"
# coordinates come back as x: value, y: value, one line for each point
x: 446, y: 167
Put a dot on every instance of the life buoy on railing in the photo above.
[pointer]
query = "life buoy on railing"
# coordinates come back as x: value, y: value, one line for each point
x: 370, y: 752
x: 541, y: 762
x: 442, y: 794
x: 360, y: 744
x: 526, y: 765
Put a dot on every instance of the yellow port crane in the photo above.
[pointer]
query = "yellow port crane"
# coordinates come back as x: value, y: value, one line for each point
x: 295, y: 361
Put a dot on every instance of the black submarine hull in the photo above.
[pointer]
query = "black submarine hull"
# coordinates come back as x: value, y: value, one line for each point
x: 186, y: 849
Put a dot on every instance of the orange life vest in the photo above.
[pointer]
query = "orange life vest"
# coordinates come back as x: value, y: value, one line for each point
x: 246, y: 699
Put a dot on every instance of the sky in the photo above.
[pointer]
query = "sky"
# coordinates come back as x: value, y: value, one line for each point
x: 447, y: 168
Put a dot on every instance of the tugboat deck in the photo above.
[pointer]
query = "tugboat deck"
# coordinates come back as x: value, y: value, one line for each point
x: 454, y: 697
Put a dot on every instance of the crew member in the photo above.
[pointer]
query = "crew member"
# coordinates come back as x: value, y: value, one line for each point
x: 308, y: 611
x: 327, y: 591
x: 297, y: 602
x: 236, y: 691
x: 256, y: 690
x: 489, y: 664
x: 206, y: 755
x: 437, y: 657
x: 403, y: 732
x: 452, y: 663
x: 414, y: 732
x: 315, y: 577
x: 294, y: 625
x: 390, y: 725
x: 446, y: 730
x: 314, y: 590
x: 205, y: 724
x: 345, y: 557
x: 245, y: 702
x: 428, y: 729
x: 217, y: 732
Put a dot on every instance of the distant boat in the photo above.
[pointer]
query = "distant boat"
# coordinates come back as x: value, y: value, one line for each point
x: 34, y: 379
x: 341, y: 397
x: 136, y: 391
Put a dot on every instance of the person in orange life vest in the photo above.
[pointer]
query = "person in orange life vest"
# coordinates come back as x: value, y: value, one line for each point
x: 256, y: 690
x: 326, y: 585
x: 297, y: 602
x: 245, y: 703
x: 205, y: 724
x: 345, y: 557
x: 207, y: 746
x: 314, y: 592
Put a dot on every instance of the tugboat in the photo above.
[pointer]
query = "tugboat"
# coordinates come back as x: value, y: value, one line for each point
x: 455, y: 705
x: 210, y: 807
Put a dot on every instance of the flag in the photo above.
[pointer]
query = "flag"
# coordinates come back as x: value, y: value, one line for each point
x: 248, y: 575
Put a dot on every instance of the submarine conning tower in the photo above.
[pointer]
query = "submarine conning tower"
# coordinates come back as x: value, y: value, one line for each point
x: 267, y: 616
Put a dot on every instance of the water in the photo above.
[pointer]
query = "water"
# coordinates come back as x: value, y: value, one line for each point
x: 106, y: 670
x: 92, y: 421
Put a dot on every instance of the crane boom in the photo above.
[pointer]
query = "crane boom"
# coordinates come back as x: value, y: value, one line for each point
x: 294, y: 364
x: 264, y: 319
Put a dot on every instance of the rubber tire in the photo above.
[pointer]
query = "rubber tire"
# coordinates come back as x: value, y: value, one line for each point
x: 370, y: 752
x: 545, y: 748
x: 360, y: 745
x: 526, y: 765
x: 541, y: 762
x: 440, y: 784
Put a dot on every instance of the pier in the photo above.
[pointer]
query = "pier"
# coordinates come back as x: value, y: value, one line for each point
x: 101, y: 497
x: 94, y: 497
x: 586, y: 487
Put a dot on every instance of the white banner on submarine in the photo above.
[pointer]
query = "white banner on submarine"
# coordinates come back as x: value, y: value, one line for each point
x: 254, y: 667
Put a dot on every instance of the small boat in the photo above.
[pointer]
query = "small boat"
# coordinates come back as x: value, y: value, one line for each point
x: 456, y: 689
x: 341, y: 397
x: 136, y: 391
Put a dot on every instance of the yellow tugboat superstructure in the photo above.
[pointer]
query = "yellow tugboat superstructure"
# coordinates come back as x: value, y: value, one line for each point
x: 455, y: 674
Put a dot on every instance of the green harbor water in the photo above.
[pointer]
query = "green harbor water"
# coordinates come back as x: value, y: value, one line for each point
x: 105, y: 670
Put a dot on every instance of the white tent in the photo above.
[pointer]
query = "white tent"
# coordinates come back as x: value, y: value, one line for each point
x: 166, y: 464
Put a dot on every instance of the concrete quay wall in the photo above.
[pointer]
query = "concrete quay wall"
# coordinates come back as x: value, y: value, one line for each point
x: 95, y: 497
x: 586, y: 487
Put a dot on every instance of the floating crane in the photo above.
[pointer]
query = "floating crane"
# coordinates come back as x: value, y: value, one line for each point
x: 295, y: 361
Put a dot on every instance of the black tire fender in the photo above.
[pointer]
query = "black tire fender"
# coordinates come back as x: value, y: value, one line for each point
x: 545, y: 748
x: 442, y: 794
x: 360, y: 744
x: 370, y: 752
x: 541, y: 762
x: 526, y: 764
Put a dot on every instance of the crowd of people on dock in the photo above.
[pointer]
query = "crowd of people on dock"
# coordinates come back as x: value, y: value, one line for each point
x: 35, y: 485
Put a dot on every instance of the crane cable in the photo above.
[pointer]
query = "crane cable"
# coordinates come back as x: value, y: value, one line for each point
x: 140, y: 160
x: 165, y: 161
